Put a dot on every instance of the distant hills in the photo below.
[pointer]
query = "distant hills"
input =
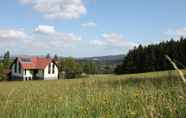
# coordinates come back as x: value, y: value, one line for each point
x: 105, y: 58
x: 111, y: 59
x: 104, y: 64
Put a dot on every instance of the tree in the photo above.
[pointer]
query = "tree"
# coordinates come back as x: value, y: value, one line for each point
x: 71, y: 68
x: 48, y: 56
x: 4, y: 65
x: 89, y: 67
x: 7, y: 55
x: 6, y: 60
x: 55, y: 57
x: 1, y: 72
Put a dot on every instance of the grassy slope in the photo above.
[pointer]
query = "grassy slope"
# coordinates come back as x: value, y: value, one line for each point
x: 148, y: 75
x: 158, y: 94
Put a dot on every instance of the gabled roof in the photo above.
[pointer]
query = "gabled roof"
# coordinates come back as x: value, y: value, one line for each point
x: 34, y: 62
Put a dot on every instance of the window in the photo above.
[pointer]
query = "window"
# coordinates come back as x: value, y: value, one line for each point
x: 53, y: 68
x: 49, y: 68
x: 15, y: 67
x: 25, y: 71
x: 19, y: 67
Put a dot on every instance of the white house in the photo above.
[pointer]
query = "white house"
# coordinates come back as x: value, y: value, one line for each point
x: 35, y: 68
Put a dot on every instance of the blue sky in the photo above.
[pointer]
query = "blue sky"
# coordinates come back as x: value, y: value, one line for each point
x: 82, y: 28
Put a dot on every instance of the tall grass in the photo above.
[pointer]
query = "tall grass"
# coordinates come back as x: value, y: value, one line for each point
x: 176, y: 68
x: 100, y: 97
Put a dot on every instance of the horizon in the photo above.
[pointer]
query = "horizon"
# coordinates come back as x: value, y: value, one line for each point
x: 81, y: 57
x: 87, y: 28
x: 60, y: 56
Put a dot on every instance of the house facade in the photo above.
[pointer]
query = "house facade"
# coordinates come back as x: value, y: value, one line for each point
x: 35, y: 68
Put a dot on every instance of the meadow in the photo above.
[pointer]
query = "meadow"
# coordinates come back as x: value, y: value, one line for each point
x: 147, y: 95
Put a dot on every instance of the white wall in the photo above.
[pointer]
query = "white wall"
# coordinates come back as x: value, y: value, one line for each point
x: 28, y: 74
x: 51, y: 76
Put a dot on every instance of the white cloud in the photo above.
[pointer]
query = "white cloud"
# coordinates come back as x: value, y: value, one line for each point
x: 176, y: 32
x: 58, y: 9
x: 181, y: 31
x: 26, y: 1
x: 12, y: 34
x: 53, y: 34
x: 49, y: 37
x: 46, y: 40
x: 89, y: 24
x: 69, y: 37
x: 45, y: 29
x: 97, y: 42
x: 113, y: 40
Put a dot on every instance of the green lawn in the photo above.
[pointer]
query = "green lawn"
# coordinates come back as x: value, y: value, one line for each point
x: 158, y: 94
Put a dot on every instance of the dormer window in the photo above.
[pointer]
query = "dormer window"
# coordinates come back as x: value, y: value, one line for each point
x: 53, y: 68
x: 19, y: 68
x: 15, y: 67
x: 49, y: 68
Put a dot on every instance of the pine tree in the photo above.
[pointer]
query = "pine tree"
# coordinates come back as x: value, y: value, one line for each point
x: 6, y: 60
x: 48, y: 56
x: 152, y: 57
x: 55, y: 57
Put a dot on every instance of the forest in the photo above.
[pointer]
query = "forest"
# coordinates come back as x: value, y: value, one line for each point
x: 152, y: 57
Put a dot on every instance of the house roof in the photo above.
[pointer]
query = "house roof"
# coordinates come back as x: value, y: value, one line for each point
x: 34, y: 62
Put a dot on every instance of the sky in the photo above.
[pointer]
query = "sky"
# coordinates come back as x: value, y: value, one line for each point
x: 85, y: 28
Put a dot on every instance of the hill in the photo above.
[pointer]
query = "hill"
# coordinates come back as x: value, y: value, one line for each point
x: 104, y: 64
x: 110, y: 59
x: 103, y: 96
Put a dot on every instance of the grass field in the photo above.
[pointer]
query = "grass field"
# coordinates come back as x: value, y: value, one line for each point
x: 148, y: 95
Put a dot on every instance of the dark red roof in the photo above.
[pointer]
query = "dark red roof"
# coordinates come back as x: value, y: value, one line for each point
x: 34, y: 62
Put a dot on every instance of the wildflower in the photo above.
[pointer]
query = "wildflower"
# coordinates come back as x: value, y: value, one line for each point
x: 181, y: 97
x: 132, y: 113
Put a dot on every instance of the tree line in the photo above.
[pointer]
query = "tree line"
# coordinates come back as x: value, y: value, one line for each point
x: 4, y: 65
x: 152, y: 57
x: 74, y: 68
x: 70, y: 68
